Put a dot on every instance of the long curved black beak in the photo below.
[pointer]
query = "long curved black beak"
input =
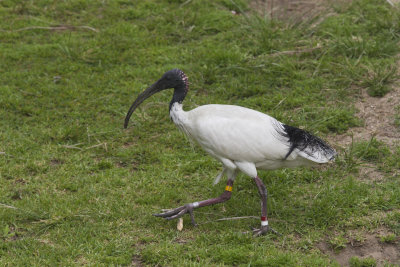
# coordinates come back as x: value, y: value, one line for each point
x: 154, y: 88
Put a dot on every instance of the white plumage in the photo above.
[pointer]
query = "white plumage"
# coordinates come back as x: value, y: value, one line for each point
x: 241, y: 139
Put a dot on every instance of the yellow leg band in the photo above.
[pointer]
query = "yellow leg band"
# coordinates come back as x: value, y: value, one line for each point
x: 228, y: 188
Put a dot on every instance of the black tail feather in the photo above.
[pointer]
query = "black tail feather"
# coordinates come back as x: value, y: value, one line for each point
x: 301, y: 139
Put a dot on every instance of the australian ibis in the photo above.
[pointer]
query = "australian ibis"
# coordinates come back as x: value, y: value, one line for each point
x: 241, y: 139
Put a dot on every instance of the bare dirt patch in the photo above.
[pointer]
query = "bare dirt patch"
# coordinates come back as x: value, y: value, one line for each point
x: 283, y: 9
x: 371, y: 246
x: 378, y: 115
x: 295, y: 11
x: 137, y: 261
x: 368, y: 173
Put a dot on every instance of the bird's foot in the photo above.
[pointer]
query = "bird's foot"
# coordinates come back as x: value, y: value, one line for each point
x: 178, y: 212
x: 263, y: 230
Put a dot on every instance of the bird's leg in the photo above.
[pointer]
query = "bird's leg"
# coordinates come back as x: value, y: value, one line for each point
x: 188, y: 208
x: 262, y: 190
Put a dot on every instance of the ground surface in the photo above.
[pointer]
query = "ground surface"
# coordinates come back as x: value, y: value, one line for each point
x: 78, y: 189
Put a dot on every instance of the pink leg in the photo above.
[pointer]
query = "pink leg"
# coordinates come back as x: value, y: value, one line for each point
x: 188, y: 208
x: 262, y: 190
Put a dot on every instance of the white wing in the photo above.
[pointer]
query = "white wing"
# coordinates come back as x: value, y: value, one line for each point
x: 236, y: 133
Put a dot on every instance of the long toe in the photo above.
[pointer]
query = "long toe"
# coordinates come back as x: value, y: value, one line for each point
x: 275, y: 232
x: 170, y: 213
x: 264, y: 230
x: 177, y: 213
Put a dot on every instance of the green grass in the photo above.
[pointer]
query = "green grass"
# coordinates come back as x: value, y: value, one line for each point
x: 78, y: 189
x: 366, y: 262
x: 390, y: 238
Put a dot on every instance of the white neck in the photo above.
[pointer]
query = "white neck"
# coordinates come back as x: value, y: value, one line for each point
x: 177, y: 114
x: 181, y: 120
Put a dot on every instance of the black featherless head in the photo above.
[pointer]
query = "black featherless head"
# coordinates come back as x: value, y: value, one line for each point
x: 174, y: 78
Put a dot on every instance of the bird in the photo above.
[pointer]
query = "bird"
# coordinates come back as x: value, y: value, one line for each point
x: 242, y: 139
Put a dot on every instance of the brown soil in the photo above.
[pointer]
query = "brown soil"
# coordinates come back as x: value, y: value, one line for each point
x: 371, y: 246
x: 369, y: 174
x: 294, y: 11
x: 378, y: 115
x: 137, y: 261
x: 279, y: 9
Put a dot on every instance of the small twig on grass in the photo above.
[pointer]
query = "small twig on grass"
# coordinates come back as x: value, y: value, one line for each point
x: 293, y: 52
x: 322, y: 19
x: 73, y: 146
x: 236, y: 218
x: 280, y: 102
x: 15, y: 208
x: 101, y: 144
x: 184, y: 4
x: 231, y: 219
x: 8, y: 206
x: 55, y: 28
x: 390, y: 3
x: 28, y: 93
x: 2, y: 153
x: 30, y: 213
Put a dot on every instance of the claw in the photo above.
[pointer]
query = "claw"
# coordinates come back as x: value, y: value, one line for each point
x: 177, y: 213
x: 263, y: 230
x: 169, y: 213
